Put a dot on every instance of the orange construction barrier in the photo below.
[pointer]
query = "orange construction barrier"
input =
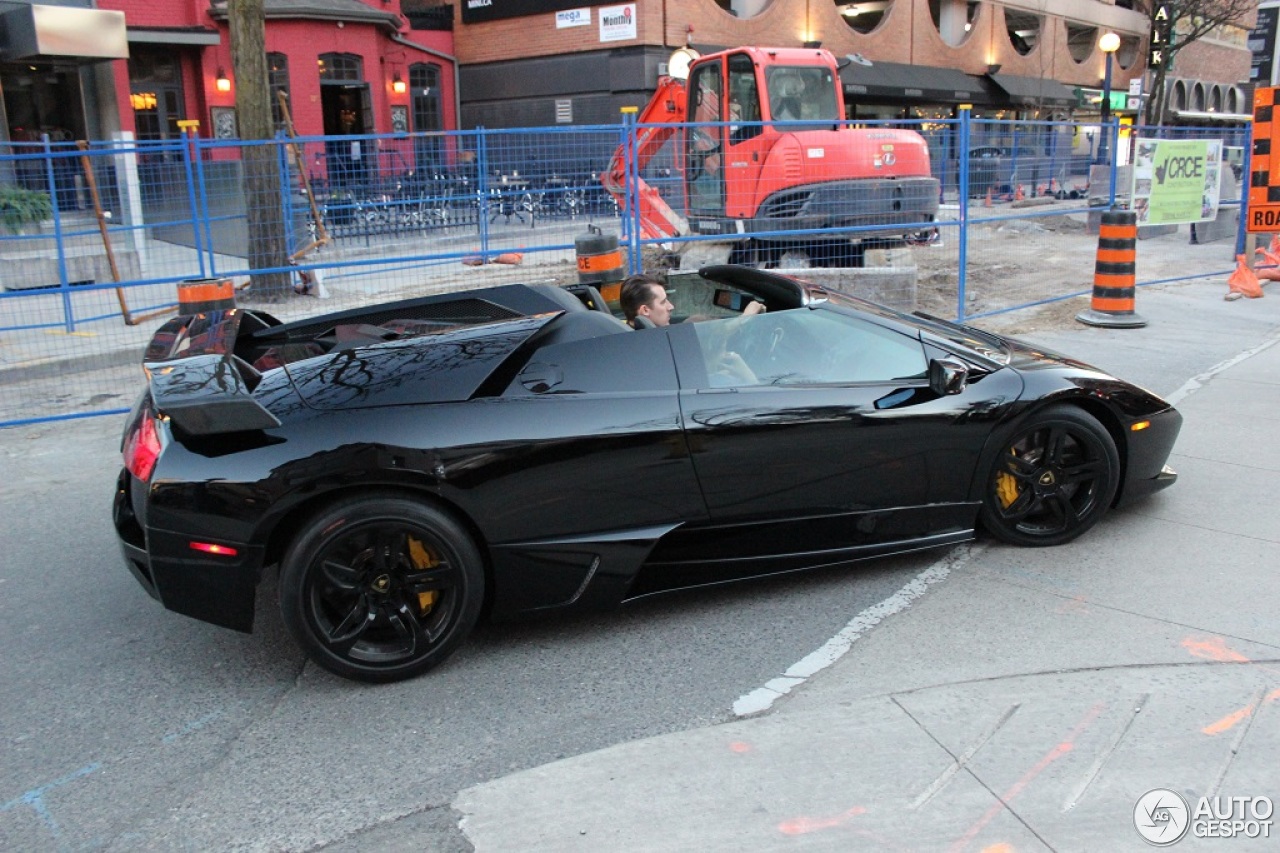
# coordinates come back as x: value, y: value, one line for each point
x: 1115, y: 273
x: 1244, y: 282
x: 199, y: 295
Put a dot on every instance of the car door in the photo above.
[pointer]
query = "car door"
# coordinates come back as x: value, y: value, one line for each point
x: 581, y: 467
x: 819, y: 423
x: 597, y: 424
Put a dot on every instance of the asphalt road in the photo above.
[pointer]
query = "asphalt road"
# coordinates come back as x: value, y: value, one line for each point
x: 126, y: 727
x: 130, y: 728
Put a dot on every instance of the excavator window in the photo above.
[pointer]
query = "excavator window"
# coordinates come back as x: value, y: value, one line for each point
x: 744, y: 99
x: 704, y: 172
x: 801, y: 93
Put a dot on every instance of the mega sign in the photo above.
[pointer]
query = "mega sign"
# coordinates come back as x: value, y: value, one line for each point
x: 476, y: 11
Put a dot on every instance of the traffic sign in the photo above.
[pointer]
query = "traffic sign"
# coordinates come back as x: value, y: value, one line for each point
x: 1264, y: 176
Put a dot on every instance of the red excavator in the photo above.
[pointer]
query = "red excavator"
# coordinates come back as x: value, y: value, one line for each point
x: 762, y: 148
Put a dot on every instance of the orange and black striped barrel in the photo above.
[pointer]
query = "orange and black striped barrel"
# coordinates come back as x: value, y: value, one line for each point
x: 600, y: 262
x: 1115, y: 273
x: 199, y: 295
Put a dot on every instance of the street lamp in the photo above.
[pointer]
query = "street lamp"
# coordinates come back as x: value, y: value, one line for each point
x: 1108, y: 44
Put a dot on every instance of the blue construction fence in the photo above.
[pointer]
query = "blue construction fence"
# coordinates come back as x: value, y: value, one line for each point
x: 96, y: 238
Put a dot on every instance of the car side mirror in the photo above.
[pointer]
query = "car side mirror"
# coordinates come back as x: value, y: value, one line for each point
x: 948, y: 375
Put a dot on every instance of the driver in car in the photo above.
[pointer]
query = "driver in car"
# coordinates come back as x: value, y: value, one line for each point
x: 645, y: 302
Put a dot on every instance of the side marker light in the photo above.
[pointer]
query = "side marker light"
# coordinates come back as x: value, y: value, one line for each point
x: 217, y: 550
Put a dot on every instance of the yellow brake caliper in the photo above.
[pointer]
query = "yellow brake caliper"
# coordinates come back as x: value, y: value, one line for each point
x: 1007, y: 486
x: 423, y: 559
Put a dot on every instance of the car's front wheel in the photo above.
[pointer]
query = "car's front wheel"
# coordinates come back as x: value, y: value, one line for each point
x: 1052, y: 480
x: 381, y: 588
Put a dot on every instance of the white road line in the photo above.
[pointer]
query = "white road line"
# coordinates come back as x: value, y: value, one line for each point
x: 1195, y: 383
x: 762, y: 698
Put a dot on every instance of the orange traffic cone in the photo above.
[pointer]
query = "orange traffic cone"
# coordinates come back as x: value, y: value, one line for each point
x: 987, y: 203
x: 1017, y: 193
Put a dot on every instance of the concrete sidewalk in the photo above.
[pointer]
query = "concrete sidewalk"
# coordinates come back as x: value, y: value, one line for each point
x: 1029, y: 699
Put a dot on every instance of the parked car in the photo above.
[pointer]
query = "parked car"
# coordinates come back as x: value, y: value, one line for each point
x: 518, y: 450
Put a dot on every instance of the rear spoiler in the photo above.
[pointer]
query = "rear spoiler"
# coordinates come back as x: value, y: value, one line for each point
x: 197, y: 380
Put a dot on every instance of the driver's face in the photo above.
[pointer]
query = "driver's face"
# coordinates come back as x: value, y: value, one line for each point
x: 659, y: 308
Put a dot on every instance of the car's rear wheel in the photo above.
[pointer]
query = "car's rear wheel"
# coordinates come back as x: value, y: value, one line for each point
x: 1053, y: 480
x: 381, y: 588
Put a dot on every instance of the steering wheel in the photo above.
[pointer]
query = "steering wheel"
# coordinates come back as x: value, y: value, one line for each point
x: 760, y: 343
x: 703, y: 146
x: 701, y: 141
x: 774, y: 348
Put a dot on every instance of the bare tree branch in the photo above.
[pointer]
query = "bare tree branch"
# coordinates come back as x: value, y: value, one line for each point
x: 1189, y: 21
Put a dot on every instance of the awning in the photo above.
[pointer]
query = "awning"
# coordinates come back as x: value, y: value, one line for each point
x: 352, y: 11
x: 1209, y: 117
x: 1034, y: 91
x: 41, y: 32
x: 174, y: 35
x: 912, y: 82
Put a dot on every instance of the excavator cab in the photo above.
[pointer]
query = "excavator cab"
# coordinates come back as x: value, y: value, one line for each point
x: 734, y: 98
x: 762, y: 148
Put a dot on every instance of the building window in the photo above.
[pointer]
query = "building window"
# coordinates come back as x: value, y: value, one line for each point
x: 1081, y: 40
x: 865, y: 16
x: 341, y: 67
x: 278, y: 81
x: 424, y: 90
x: 424, y: 98
x: 954, y: 19
x: 744, y: 8
x: 155, y: 85
x: 1024, y: 30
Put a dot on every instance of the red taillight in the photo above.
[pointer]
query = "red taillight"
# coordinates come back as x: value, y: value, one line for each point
x: 142, y: 448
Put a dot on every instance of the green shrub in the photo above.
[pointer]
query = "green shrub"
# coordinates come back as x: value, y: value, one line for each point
x: 20, y: 207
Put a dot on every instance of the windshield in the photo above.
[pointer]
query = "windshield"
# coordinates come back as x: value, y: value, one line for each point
x: 983, y: 343
x: 801, y: 93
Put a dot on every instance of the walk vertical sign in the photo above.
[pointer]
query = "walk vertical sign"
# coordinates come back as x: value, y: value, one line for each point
x: 1264, y: 175
x: 1161, y: 32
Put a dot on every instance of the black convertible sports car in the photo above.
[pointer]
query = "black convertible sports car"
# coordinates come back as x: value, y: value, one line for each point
x: 518, y: 450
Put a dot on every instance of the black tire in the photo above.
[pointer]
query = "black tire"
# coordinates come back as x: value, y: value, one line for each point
x: 381, y: 587
x: 1052, y: 480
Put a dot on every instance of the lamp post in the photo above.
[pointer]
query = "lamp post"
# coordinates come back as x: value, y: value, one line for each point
x: 1108, y: 44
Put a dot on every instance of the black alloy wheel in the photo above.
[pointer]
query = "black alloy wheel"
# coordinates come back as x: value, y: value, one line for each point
x: 381, y: 588
x: 1053, y: 480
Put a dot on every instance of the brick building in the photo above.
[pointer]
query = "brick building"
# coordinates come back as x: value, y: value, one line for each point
x: 543, y: 62
x: 928, y: 56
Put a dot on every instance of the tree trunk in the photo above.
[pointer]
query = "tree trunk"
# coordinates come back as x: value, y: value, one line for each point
x: 268, y: 243
x: 1157, y: 102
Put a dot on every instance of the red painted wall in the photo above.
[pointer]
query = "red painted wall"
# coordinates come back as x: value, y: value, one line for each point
x: 303, y: 41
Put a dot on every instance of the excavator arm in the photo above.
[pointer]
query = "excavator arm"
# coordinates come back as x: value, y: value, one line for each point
x: 665, y: 108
